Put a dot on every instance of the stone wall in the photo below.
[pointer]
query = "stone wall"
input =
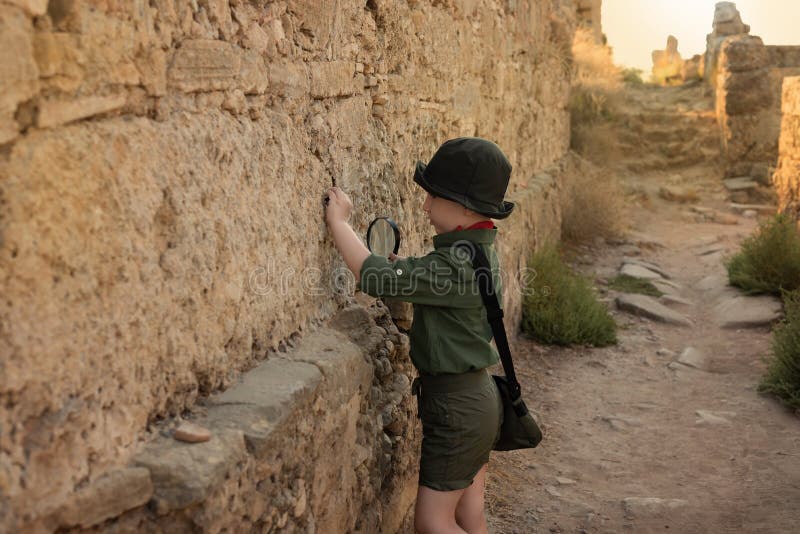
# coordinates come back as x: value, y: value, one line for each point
x: 161, y: 170
x: 589, y: 16
x: 748, y: 101
x: 787, y: 176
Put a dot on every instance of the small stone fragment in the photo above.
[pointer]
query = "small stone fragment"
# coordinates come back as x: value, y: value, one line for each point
x: 692, y: 357
x: 710, y: 418
x: 564, y: 481
x: 739, y: 184
x: 191, y: 433
x: 677, y: 194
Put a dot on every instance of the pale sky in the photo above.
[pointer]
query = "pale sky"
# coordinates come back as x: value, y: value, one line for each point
x: 637, y: 27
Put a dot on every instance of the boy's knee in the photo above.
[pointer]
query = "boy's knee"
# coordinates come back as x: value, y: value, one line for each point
x: 426, y: 525
x: 471, y: 519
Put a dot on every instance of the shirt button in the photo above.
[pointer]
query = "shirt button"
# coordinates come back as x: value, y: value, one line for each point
x: 399, y: 272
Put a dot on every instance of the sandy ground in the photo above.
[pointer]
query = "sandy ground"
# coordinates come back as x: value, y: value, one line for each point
x: 625, y: 449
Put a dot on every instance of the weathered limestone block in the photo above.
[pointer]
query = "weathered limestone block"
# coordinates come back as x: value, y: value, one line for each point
x: 109, y: 496
x: 744, y: 53
x: 289, y: 79
x: 745, y: 105
x: 57, y: 112
x: 19, y: 76
x: 184, y: 474
x: 784, y: 56
x: 204, y: 65
x: 334, y: 78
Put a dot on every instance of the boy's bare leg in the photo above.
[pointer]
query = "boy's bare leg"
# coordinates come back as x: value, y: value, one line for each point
x: 435, y: 511
x: 469, y: 510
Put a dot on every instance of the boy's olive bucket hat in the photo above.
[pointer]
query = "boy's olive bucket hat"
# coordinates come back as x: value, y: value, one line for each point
x: 471, y: 171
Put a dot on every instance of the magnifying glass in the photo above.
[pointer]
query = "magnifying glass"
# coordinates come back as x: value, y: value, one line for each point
x: 383, y: 237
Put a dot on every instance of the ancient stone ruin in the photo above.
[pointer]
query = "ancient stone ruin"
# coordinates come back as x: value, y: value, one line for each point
x: 748, y: 78
x: 164, y: 254
x: 727, y: 22
x: 667, y: 63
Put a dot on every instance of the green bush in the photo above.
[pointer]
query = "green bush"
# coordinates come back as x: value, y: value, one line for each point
x: 560, y: 307
x: 769, y: 260
x: 783, y: 376
x: 631, y: 284
x: 632, y: 76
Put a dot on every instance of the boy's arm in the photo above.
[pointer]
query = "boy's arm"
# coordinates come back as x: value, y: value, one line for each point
x: 350, y: 246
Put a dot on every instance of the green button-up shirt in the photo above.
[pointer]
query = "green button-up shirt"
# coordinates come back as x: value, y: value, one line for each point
x: 450, y: 332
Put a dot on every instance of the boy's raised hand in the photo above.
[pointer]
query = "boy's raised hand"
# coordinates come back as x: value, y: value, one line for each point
x: 339, y: 206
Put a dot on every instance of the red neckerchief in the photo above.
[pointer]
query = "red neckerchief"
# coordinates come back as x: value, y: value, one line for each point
x: 480, y: 225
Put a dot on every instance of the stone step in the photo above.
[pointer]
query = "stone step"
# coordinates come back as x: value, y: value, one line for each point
x: 649, y: 307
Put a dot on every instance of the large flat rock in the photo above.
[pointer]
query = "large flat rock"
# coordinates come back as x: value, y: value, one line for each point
x: 639, y: 271
x: 748, y: 312
x: 652, y: 309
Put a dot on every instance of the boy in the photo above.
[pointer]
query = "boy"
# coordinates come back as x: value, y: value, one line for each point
x: 459, y: 405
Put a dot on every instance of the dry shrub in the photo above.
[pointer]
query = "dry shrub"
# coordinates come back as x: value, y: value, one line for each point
x: 592, y: 203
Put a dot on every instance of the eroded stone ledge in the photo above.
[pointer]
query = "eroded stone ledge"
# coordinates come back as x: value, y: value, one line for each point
x: 304, y: 442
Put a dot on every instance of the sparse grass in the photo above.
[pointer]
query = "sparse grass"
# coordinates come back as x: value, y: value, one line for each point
x: 769, y: 260
x: 783, y: 375
x: 560, y: 307
x: 631, y: 284
x: 592, y: 204
x: 633, y: 76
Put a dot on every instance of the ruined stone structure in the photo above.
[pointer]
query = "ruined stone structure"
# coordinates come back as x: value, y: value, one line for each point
x: 162, y: 166
x: 787, y: 176
x: 589, y: 16
x: 667, y: 63
x: 727, y: 22
x: 748, y: 101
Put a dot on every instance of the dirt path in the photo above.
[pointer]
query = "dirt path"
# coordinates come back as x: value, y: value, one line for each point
x: 625, y: 448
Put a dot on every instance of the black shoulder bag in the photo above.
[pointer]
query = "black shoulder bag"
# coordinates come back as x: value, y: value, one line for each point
x: 519, y: 430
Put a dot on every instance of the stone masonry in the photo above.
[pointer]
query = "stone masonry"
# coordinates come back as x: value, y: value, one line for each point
x: 727, y: 22
x: 787, y: 175
x: 748, y: 102
x: 162, y: 166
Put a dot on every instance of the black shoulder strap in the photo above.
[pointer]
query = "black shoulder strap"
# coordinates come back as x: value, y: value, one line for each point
x: 483, y: 277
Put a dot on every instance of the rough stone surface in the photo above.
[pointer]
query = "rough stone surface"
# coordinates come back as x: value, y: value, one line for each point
x: 727, y: 22
x: 109, y: 496
x: 154, y: 206
x: 650, y: 308
x: 748, y: 312
x: 639, y: 271
x: 667, y: 63
x: 749, y: 81
x: 786, y: 178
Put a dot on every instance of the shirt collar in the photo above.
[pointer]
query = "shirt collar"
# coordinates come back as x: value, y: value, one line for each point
x: 478, y: 226
x: 479, y: 235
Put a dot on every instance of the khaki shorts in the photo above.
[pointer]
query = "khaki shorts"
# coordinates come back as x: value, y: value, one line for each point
x: 461, y: 417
